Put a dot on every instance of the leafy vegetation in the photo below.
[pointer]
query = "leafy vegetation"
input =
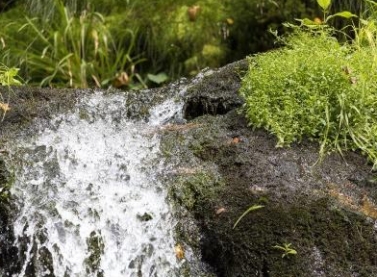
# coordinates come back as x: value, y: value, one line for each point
x: 287, y: 249
x: 8, y: 77
x: 74, y: 51
x: 317, y: 88
x: 92, y: 43
x: 133, y: 43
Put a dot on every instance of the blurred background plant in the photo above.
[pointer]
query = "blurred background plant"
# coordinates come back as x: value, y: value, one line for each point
x: 139, y: 43
x: 66, y: 48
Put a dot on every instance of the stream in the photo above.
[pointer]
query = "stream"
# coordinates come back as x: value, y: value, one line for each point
x: 90, y: 202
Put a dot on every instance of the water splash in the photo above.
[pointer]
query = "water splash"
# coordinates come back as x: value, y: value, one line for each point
x: 91, y: 202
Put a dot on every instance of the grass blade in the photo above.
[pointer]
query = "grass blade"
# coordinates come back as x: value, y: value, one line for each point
x: 250, y: 209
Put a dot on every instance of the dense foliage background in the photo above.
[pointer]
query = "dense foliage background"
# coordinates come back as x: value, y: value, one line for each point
x: 136, y: 43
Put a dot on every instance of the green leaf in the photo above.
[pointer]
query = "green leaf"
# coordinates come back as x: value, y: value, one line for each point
x: 8, y: 77
x: 324, y: 4
x: 371, y: 2
x: 287, y: 249
x: 252, y: 208
x: 292, y: 252
x: 344, y: 14
x: 159, y: 78
x: 309, y: 22
x: 363, y: 21
x: 279, y: 247
x: 290, y: 25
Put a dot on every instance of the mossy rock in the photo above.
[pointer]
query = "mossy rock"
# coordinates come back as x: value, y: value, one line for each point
x: 325, y: 209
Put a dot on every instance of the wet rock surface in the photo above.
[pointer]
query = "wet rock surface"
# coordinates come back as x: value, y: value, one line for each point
x: 216, y: 94
x: 8, y: 252
x: 323, y: 209
x: 218, y: 167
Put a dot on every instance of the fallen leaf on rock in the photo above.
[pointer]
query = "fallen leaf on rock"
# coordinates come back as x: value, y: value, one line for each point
x: 179, y: 252
x: 236, y: 140
x: 121, y: 80
x: 220, y: 210
x: 368, y: 207
x: 4, y: 107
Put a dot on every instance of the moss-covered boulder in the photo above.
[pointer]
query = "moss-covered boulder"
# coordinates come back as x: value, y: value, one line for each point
x: 318, y: 216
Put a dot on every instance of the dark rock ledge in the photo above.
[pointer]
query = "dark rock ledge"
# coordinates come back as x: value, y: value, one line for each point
x: 325, y: 209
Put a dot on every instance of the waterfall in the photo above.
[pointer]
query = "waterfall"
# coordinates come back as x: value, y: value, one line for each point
x: 90, y: 202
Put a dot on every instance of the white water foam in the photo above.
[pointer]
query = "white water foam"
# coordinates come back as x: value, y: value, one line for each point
x: 91, y: 197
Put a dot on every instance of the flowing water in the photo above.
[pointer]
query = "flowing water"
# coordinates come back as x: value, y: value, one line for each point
x: 90, y: 200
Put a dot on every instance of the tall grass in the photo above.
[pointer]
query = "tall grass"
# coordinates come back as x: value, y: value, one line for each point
x: 72, y: 50
x: 48, y: 9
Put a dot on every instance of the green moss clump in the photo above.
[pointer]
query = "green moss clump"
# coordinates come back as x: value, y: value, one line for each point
x: 195, y: 192
x: 315, y: 87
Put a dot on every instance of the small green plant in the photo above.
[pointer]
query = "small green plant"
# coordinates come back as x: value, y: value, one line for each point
x: 325, y: 6
x: 286, y: 248
x: 250, y: 209
x: 8, y: 78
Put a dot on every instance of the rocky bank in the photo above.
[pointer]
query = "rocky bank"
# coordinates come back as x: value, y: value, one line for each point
x: 323, y: 211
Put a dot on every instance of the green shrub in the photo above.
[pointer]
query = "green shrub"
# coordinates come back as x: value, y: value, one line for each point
x: 48, y: 9
x: 316, y: 88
